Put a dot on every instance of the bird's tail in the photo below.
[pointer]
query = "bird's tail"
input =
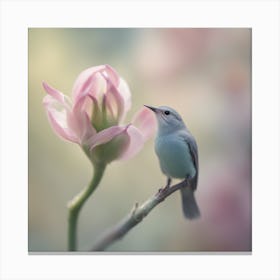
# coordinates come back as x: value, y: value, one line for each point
x: 190, y: 207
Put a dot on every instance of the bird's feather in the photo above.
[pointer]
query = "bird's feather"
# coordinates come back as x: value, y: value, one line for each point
x: 190, y: 141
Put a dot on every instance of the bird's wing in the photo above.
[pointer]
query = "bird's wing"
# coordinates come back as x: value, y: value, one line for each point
x: 190, y: 141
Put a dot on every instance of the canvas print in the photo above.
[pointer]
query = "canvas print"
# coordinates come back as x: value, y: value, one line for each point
x: 139, y: 140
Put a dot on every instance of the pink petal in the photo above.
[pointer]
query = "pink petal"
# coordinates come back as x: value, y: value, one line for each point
x: 106, y: 135
x: 115, y: 101
x: 59, y: 130
x: 81, y: 125
x: 87, y: 86
x: 135, y: 145
x: 84, y: 80
x: 123, y: 89
x: 100, y: 80
x: 107, y: 105
x: 112, y: 75
x: 57, y: 95
x: 118, y: 94
x: 145, y: 121
x: 79, y: 122
x: 57, y: 120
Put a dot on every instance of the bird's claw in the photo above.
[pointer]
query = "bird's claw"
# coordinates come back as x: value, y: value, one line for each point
x: 163, y: 190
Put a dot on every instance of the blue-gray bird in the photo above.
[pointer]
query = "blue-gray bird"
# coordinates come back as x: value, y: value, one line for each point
x: 177, y: 152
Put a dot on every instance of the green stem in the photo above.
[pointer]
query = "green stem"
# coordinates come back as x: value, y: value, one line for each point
x: 76, y: 204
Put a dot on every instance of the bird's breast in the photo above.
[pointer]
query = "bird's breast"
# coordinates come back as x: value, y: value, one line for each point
x: 174, y: 157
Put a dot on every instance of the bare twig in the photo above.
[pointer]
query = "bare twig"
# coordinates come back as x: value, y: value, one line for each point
x: 135, y: 217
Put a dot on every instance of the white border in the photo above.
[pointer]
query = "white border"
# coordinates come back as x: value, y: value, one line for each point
x: 262, y: 16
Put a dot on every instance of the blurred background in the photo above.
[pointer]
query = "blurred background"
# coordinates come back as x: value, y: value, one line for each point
x: 205, y: 74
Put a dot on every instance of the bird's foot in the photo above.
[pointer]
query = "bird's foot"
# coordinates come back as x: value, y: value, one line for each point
x: 187, y: 180
x: 162, y: 190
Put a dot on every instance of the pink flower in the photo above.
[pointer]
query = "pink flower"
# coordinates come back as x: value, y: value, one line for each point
x: 101, y: 100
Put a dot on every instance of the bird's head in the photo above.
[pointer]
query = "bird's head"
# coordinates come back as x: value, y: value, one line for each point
x: 168, y: 119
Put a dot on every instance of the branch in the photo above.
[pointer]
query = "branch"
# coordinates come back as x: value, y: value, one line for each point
x: 137, y: 214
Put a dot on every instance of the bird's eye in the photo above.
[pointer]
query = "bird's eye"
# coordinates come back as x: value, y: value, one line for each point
x: 166, y: 112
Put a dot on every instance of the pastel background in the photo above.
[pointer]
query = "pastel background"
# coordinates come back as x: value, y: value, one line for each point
x: 206, y: 75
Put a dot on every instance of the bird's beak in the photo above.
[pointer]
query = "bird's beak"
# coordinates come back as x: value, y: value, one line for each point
x: 154, y: 109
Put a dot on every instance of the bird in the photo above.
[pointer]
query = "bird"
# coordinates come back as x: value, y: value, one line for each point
x: 177, y: 151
